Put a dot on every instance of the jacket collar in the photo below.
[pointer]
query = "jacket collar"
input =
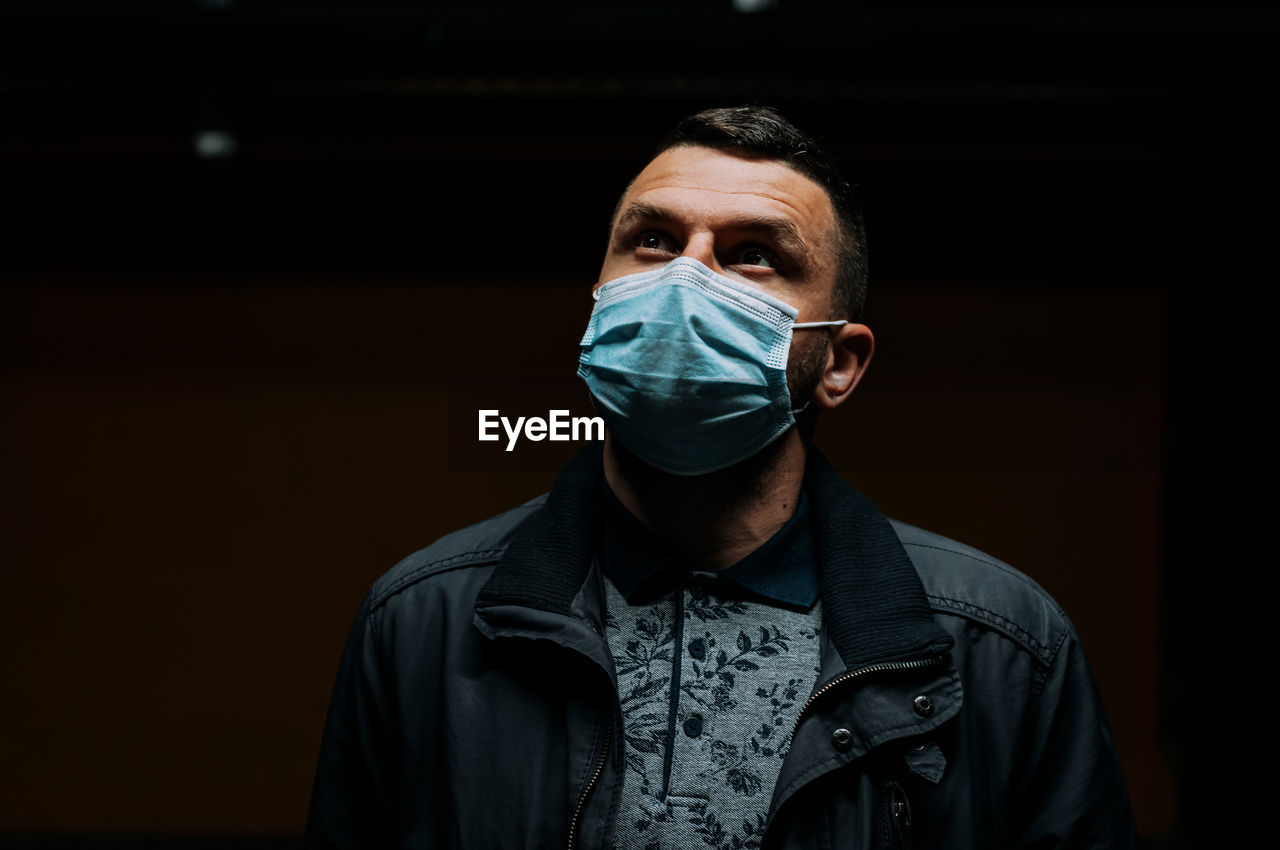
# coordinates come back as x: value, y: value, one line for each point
x: 874, y: 606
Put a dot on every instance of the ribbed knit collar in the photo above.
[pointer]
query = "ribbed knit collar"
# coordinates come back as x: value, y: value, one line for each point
x: 873, y: 603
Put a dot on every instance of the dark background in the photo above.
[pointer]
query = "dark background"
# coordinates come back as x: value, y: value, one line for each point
x: 263, y: 261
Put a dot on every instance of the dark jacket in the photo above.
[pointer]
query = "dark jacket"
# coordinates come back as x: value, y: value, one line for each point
x: 476, y: 703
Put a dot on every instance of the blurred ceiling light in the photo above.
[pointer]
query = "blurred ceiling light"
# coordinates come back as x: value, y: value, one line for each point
x: 214, y: 144
x: 748, y: 6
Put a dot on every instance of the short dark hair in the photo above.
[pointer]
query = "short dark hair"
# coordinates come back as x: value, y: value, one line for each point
x: 762, y: 131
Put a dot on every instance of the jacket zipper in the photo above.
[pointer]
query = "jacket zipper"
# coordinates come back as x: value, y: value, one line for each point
x: 883, y: 667
x: 582, y: 798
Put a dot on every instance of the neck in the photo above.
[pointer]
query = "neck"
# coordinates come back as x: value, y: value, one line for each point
x: 717, y: 519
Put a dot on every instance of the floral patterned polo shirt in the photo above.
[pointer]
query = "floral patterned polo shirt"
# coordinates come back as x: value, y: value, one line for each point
x: 712, y: 670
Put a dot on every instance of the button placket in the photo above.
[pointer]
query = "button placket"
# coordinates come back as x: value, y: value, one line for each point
x: 693, y: 725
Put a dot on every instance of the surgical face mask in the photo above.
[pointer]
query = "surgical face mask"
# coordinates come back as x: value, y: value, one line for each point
x: 688, y: 368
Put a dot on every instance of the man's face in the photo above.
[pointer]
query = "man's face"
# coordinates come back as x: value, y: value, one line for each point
x: 755, y: 220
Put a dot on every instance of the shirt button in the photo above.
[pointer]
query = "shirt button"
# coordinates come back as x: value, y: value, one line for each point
x: 693, y: 725
x: 842, y: 740
x: 923, y: 705
x: 697, y: 592
x: 698, y: 648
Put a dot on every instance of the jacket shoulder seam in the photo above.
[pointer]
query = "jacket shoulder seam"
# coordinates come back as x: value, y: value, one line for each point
x: 1001, y: 624
x: 376, y: 633
x: 443, y: 563
x: 1044, y: 676
x: 438, y: 566
x: 978, y: 613
x: 990, y: 562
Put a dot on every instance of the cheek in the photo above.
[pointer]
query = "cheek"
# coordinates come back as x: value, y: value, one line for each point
x: 807, y: 361
x: 777, y: 289
x: 616, y: 267
x: 812, y: 297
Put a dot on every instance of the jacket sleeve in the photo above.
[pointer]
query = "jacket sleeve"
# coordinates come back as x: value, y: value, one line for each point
x: 1075, y: 794
x: 352, y: 800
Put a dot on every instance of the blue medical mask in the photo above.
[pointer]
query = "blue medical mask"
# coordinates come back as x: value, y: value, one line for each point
x: 688, y: 368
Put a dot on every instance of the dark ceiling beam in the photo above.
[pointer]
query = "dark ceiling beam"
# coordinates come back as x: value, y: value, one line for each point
x: 290, y: 40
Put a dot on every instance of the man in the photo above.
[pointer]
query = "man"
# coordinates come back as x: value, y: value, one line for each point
x: 702, y: 637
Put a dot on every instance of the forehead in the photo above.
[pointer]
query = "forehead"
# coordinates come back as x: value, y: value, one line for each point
x: 713, y: 187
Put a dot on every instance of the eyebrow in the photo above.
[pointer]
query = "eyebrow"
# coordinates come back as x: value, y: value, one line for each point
x: 782, y: 232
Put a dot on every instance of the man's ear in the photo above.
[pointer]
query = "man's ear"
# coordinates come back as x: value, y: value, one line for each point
x: 851, y: 348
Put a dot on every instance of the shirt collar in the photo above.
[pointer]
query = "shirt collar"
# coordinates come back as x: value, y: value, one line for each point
x: 783, y: 570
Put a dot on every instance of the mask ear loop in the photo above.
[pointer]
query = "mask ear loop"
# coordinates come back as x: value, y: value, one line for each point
x: 803, y: 325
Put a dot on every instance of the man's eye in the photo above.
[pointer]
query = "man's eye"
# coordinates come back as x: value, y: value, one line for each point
x: 654, y: 240
x: 757, y: 257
